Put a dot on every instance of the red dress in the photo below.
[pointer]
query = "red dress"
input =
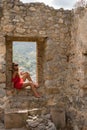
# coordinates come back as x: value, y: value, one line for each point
x: 18, y: 82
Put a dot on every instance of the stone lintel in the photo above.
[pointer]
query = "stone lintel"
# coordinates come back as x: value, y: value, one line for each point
x: 26, y: 38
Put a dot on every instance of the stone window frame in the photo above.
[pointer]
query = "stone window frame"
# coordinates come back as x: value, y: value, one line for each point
x: 40, y: 48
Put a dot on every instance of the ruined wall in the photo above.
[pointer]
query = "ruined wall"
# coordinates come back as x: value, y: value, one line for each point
x: 61, y: 43
x: 38, y: 20
x: 76, y: 80
x: 35, y: 22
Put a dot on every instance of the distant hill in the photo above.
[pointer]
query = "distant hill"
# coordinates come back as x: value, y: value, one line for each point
x: 24, y: 53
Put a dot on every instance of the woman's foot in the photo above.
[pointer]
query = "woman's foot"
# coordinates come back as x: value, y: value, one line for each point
x: 37, y: 95
x: 36, y: 85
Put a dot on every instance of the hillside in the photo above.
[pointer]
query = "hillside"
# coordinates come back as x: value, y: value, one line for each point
x: 24, y: 53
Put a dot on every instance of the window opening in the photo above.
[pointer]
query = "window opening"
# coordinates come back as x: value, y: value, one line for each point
x: 24, y: 53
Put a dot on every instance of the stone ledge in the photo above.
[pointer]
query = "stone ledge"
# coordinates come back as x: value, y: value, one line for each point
x: 26, y: 102
x: 24, y: 92
x: 52, y: 90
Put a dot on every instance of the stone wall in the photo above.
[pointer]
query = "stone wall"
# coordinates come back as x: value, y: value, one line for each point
x: 38, y: 20
x: 77, y: 68
x: 61, y: 55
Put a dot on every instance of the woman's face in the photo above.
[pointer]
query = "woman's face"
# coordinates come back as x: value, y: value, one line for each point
x: 16, y: 67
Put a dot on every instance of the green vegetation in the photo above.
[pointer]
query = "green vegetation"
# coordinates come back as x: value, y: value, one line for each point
x: 24, y: 53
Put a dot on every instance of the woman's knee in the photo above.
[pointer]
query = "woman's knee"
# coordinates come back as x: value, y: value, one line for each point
x: 31, y: 84
x: 27, y: 74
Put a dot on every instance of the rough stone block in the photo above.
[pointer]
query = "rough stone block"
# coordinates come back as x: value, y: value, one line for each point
x: 84, y: 128
x: 2, y: 93
x: 2, y: 49
x: 1, y: 12
x: 15, y: 119
x: 52, y: 90
x: 2, y: 77
x: 58, y: 116
x: 8, y: 28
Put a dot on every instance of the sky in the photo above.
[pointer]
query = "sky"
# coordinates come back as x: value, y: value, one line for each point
x: 66, y: 4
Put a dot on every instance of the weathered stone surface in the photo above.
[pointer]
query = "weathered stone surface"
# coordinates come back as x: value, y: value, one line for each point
x: 20, y: 30
x: 2, y: 93
x: 2, y: 77
x: 84, y: 128
x: 2, y: 49
x: 15, y: 119
x: 54, y: 90
x: 8, y: 28
x: 39, y: 123
x: 58, y: 116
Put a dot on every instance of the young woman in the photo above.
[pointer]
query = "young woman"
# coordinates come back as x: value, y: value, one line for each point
x: 18, y: 80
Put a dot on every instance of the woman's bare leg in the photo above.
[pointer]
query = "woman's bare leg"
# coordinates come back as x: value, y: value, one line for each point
x: 26, y: 75
x: 32, y: 87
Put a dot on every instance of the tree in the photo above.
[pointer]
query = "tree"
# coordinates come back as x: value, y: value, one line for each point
x: 80, y: 3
